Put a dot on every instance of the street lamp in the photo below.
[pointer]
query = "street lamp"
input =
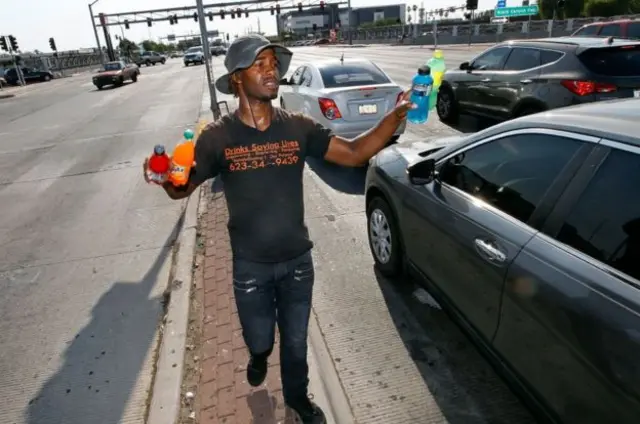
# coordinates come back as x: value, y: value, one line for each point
x: 95, y: 31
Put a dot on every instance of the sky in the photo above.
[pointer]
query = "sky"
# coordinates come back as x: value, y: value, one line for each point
x: 32, y: 22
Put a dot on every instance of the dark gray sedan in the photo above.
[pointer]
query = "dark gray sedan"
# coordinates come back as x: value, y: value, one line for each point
x: 528, y: 233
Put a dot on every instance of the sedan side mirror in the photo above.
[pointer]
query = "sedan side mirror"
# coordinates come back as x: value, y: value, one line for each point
x: 423, y: 172
x: 464, y: 66
x: 284, y: 81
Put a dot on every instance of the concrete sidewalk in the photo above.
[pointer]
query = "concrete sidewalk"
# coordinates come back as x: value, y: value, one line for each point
x: 217, y: 357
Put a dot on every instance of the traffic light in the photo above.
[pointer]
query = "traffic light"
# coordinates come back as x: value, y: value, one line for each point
x: 272, y: 11
x: 322, y: 5
x: 126, y: 24
x: 3, y: 43
x: 239, y: 13
x: 233, y: 15
x: 13, y: 43
x: 246, y: 13
x: 278, y: 9
x: 195, y: 16
x: 227, y: 37
x: 175, y: 19
x: 52, y: 44
x: 222, y: 14
x: 211, y: 16
x: 149, y: 22
x: 472, y: 4
x: 299, y: 7
x: 467, y: 16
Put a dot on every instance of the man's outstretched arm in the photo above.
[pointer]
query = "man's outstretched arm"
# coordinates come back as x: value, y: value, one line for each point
x: 358, y: 151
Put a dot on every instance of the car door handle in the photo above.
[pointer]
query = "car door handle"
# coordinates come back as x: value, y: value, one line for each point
x: 526, y: 81
x: 485, y: 80
x: 490, y: 250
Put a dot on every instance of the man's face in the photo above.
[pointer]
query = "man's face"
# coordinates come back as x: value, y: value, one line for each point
x: 262, y: 80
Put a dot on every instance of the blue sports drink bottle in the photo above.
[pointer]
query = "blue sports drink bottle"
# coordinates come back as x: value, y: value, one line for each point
x: 421, y: 87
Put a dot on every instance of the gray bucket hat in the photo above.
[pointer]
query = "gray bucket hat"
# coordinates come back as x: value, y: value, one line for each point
x: 243, y: 52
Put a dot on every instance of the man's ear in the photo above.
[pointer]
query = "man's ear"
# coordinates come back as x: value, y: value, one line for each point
x: 235, y: 77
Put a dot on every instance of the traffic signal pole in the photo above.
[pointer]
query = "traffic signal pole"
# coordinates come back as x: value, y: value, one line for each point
x: 215, y: 109
x: 95, y: 32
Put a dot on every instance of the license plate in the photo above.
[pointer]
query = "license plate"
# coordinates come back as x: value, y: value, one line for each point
x: 368, y: 109
x: 636, y: 93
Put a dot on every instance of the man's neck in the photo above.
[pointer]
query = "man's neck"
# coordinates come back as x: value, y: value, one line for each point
x: 256, y: 114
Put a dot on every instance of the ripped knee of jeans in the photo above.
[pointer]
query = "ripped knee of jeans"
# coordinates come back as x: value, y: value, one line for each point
x: 245, y: 286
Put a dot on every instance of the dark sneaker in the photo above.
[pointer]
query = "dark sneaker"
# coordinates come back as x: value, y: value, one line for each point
x: 257, y: 370
x: 309, y: 412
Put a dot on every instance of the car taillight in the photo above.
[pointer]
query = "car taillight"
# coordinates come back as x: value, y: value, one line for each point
x: 329, y: 109
x: 584, y: 88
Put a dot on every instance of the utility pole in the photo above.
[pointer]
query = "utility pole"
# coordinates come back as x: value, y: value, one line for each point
x: 207, y: 60
x: 95, y: 32
x: 349, y: 21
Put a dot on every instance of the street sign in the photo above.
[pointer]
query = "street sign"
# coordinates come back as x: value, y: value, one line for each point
x: 502, y: 3
x: 171, y: 37
x: 508, y: 12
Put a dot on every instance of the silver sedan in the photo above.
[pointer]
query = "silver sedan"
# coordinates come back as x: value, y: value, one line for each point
x: 349, y: 96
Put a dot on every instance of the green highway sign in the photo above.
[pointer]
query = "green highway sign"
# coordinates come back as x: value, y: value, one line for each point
x: 508, y: 12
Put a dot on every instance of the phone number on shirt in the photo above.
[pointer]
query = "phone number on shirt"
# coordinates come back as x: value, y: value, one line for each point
x: 245, y: 165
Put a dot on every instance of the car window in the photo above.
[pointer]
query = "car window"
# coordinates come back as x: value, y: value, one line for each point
x: 621, y: 61
x: 605, y: 223
x: 306, y: 78
x: 521, y: 59
x: 587, y: 30
x: 352, y: 75
x: 512, y: 173
x: 491, y: 60
x: 297, y: 75
x: 548, y: 56
x: 633, y: 30
x: 611, y: 29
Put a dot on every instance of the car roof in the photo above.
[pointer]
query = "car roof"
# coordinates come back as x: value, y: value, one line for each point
x: 613, y: 119
x: 617, y: 21
x: 572, y: 42
x: 326, y: 63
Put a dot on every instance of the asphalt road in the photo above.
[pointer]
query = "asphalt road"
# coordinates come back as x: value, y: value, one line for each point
x: 84, y: 256
x: 84, y: 261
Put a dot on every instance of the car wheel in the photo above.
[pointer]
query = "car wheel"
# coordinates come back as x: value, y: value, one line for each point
x: 163, y: 61
x: 134, y: 77
x: 99, y: 87
x: 447, y: 106
x: 120, y: 82
x: 384, y: 240
x: 46, y: 78
x: 148, y: 63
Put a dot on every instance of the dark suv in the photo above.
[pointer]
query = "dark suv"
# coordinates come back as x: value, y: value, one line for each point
x: 518, y: 78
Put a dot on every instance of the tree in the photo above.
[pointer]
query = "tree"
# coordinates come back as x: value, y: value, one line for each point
x: 127, y: 47
x: 608, y: 7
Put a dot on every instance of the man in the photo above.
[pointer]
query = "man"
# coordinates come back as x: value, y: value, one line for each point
x: 259, y: 152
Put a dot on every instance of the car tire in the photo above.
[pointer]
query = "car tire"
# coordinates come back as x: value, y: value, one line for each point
x: 163, y: 61
x: 447, y: 106
x: 99, y: 87
x: 134, y: 77
x: 383, y: 235
x: 46, y: 78
x: 120, y: 82
x: 148, y: 63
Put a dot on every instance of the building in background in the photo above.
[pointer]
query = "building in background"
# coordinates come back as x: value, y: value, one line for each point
x: 333, y: 17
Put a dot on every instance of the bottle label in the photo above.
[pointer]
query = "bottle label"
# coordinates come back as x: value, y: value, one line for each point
x: 421, y: 90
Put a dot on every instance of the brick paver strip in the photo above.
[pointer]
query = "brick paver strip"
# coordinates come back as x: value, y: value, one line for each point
x: 224, y: 394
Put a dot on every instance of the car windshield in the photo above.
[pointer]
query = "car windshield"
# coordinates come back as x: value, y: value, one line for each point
x: 112, y: 66
x: 352, y: 75
x: 621, y: 61
x: 194, y: 50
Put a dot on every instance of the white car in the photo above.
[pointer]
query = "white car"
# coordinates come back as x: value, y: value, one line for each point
x: 194, y: 55
x: 349, y: 96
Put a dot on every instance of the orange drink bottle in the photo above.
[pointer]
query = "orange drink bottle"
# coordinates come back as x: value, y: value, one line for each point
x: 182, y: 160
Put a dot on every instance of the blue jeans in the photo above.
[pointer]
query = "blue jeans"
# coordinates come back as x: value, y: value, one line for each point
x: 270, y: 293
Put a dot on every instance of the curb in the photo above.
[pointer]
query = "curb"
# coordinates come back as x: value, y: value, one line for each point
x: 339, y: 408
x: 164, y: 405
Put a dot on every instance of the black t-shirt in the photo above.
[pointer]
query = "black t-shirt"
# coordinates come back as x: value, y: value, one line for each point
x: 262, y: 176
